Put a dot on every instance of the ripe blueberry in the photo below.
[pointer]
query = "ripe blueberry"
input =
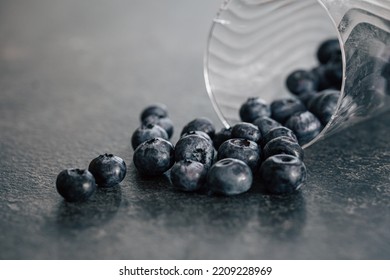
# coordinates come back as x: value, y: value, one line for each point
x: 324, y: 104
x: 282, y: 145
x: 305, y: 126
x: 75, y: 185
x: 282, y: 109
x: 154, y: 157
x: 108, y: 170
x: 301, y: 81
x: 242, y: 149
x: 283, y: 174
x: 246, y: 131
x: 199, y: 133
x: 147, y: 132
x: 196, y: 148
x: 159, y: 110
x: 265, y: 124
x: 188, y: 175
x: 165, y: 123
x: 327, y: 50
x: 254, y: 108
x: 201, y: 124
x: 277, y: 132
x: 221, y: 136
x: 229, y: 177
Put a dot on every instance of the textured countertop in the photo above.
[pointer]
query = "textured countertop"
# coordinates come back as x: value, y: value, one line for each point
x: 74, y: 76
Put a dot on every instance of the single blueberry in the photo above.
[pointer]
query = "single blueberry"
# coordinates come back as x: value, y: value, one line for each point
x: 188, y: 175
x: 154, y: 157
x: 159, y: 110
x: 283, y: 109
x: 201, y: 124
x: 108, y: 170
x: 320, y: 73
x: 277, y: 132
x: 196, y: 148
x: 305, y: 126
x: 283, y: 145
x: 324, y: 105
x: 246, y: 131
x: 242, y: 149
x: 254, y: 108
x: 265, y: 124
x: 147, y: 132
x: 301, y: 81
x: 221, y: 136
x: 75, y: 185
x: 328, y: 49
x: 199, y: 133
x: 165, y: 123
x: 283, y: 174
x: 229, y: 177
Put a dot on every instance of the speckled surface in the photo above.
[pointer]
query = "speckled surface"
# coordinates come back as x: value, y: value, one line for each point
x: 74, y: 77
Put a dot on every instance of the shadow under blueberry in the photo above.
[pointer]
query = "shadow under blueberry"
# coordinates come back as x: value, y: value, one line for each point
x: 98, y: 210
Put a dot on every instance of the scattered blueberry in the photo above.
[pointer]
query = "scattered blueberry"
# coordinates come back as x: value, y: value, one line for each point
x: 283, y: 109
x: 188, y: 175
x: 201, y: 124
x: 108, y: 170
x: 75, y: 185
x: 221, y: 136
x: 278, y: 132
x: 324, y: 105
x: 229, y: 177
x: 165, y: 123
x: 196, y: 148
x: 199, y: 133
x: 283, y: 174
x: 282, y: 145
x: 154, y: 157
x: 254, y: 108
x: 305, y: 126
x: 147, y: 132
x: 265, y: 124
x: 301, y: 81
x: 327, y: 50
x: 242, y: 149
x: 246, y: 131
x: 159, y: 110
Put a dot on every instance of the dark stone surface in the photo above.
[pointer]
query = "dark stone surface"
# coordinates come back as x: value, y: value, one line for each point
x: 74, y: 76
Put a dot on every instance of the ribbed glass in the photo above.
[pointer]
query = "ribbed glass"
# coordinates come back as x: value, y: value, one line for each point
x: 254, y: 44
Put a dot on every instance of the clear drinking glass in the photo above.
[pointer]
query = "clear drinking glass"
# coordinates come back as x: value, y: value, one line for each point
x: 254, y: 44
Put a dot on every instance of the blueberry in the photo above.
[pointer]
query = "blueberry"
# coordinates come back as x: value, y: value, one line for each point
x: 334, y: 72
x: 324, y: 105
x: 147, y: 132
x: 282, y: 109
x: 246, y: 131
x: 320, y: 73
x: 196, y: 148
x: 199, y: 133
x: 327, y: 50
x: 229, y: 177
x: 154, y: 157
x: 278, y: 132
x: 188, y: 175
x: 201, y: 124
x: 159, y: 110
x: 242, y: 149
x: 221, y: 136
x: 108, y: 170
x: 283, y: 174
x: 254, y: 108
x: 301, y: 81
x: 265, y: 124
x: 282, y: 145
x: 165, y: 123
x: 305, y: 126
x: 75, y: 185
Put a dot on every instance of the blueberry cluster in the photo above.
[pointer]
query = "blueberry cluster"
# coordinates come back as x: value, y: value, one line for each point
x: 77, y: 185
x: 267, y: 142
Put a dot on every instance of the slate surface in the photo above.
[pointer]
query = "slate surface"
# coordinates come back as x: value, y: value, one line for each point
x: 74, y: 76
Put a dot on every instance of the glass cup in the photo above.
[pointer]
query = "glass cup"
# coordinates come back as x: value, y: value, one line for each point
x: 254, y: 45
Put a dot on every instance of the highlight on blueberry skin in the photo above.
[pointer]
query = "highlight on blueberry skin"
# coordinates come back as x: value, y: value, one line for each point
x: 75, y: 185
x: 154, y: 157
x: 246, y: 131
x: 108, y: 170
x: 305, y: 126
x: 283, y: 174
x: 229, y: 177
x: 188, y: 175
